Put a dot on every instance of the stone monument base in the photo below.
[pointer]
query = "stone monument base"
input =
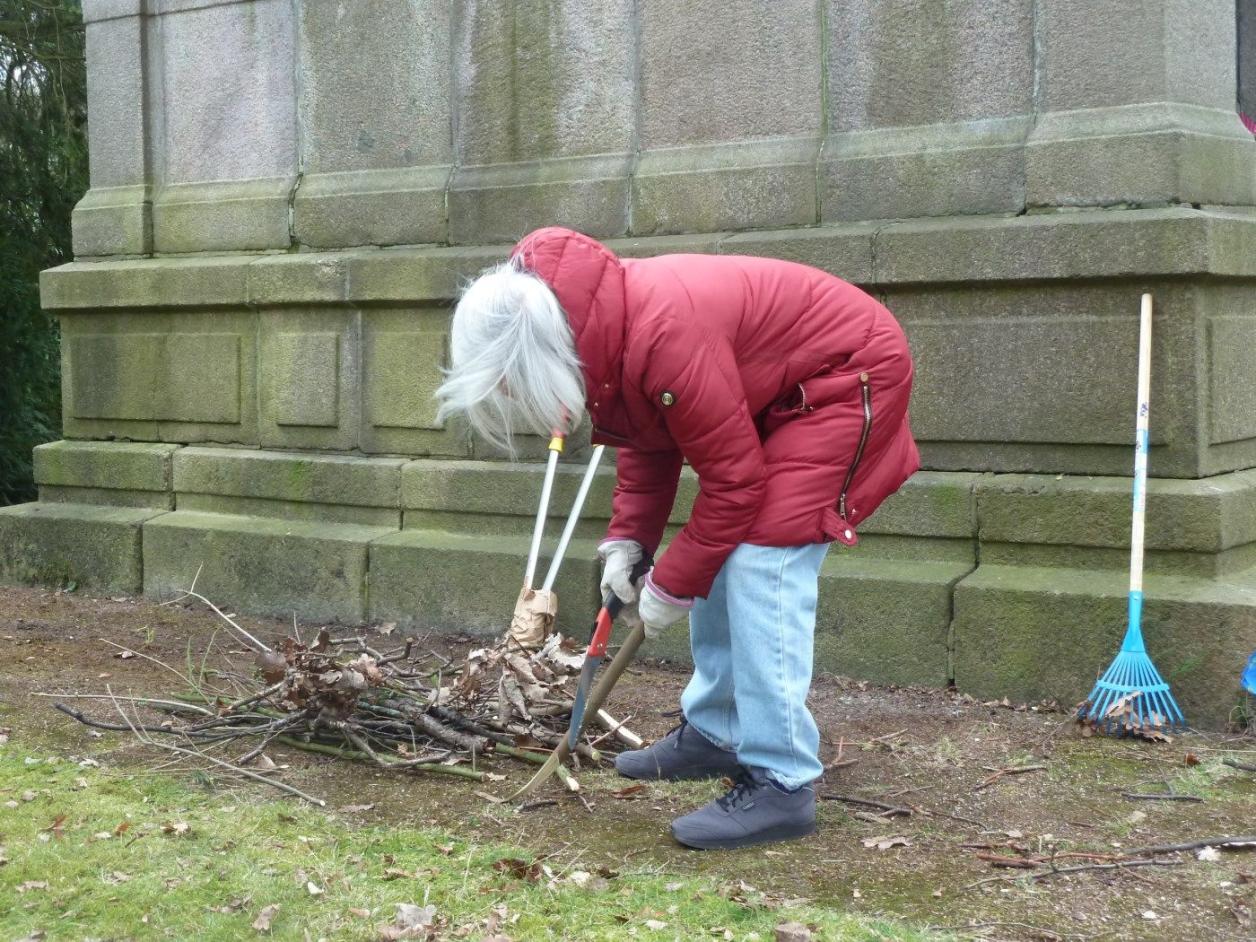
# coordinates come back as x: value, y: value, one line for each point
x: 266, y: 421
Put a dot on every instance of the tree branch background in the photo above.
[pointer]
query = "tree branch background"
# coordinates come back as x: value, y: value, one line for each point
x: 43, y: 173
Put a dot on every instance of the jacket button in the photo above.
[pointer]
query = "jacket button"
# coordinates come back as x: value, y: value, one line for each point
x: 667, y: 399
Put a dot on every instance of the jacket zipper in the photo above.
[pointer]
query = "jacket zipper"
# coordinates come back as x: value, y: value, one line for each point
x: 866, y: 391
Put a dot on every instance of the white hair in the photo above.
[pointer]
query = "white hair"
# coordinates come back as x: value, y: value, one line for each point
x: 513, y: 363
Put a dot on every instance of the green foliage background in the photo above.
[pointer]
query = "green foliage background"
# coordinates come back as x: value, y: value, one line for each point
x: 43, y: 173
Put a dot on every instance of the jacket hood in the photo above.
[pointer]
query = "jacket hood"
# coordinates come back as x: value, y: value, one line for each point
x: 588, y: 280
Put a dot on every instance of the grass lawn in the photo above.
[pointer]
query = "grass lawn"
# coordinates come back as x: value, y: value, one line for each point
x: 88, y: 852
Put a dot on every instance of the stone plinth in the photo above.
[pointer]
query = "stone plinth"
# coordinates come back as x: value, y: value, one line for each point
x: 285, y: 199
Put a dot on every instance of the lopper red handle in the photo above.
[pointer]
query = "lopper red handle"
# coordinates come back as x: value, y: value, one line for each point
x: 612, y: 605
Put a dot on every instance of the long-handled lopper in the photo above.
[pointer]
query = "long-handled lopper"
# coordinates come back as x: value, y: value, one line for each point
x: 542, y: 510
x: 587, y: 697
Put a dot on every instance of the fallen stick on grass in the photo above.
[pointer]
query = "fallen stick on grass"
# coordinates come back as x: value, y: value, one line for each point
x: 341, y: 752
x: 175, y: 705
x: 616, y: 728
x: 1016, y: 770
x: 886, y: 811
x: 1065, y: 871
x: 170, y: 747
x: 1233, y: 843
x: 972, y: 822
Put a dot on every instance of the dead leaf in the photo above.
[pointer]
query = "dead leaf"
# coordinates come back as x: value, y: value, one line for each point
x: 412, y: 922
x: 792, y: 932
x: 445, y: 849
x: 1242, y: 913
x: 263, y: 920
x: 655, y: 925
x: 122, y: 828
x: 116, y: 877
x: 272, y: 665
x: 32, y: 885
x: 885, y: 843
x: 1208, y: 854
x: 519, y: 869
x: 313, y: 888
x: 125, y: 654
x: 178, y: 829
x: 55, y: 827
x: 629, y: 792
x: 4, y: 859
x: 29, y: 795
x: 5, y: 732
x: 356, y: 809
x: 487, y: 797
x: 1191, y: 759
x: 37, y: 936
x: 396, y: 873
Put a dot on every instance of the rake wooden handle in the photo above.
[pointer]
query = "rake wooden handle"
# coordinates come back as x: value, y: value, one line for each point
x: 1141, y: 446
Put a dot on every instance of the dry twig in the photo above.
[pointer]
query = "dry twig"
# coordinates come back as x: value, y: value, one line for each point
x: 1017, y: 770
x: 883, y: 810
x: 1065, y: 871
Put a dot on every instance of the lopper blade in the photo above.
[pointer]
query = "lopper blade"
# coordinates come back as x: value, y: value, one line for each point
x: 591, y: 663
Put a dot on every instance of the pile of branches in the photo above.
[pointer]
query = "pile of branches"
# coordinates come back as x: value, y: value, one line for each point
x: 404, y: 708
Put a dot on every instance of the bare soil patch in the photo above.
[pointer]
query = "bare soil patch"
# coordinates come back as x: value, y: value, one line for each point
x: 929, y: 752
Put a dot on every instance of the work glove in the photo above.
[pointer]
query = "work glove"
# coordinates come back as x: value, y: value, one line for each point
x: 618, y: 557
x: 657, y: 608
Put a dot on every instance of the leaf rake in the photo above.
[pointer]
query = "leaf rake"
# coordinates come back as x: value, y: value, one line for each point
x: 1131, y: 696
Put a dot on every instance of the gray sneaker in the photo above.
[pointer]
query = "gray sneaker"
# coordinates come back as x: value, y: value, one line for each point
x: 682, y: 753
x: 751, y: 813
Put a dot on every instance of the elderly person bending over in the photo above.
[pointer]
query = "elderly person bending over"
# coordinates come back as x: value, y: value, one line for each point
x: 786, y: 390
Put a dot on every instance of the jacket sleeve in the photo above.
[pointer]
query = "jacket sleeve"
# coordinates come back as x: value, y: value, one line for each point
x: 645, y: 490
x: 694, y: 381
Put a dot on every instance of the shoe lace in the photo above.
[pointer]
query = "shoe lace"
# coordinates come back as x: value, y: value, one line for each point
x: 737, y: 795
x: 679, y: 730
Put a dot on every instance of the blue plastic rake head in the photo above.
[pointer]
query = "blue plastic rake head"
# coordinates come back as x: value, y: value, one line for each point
x: 1132, y: 675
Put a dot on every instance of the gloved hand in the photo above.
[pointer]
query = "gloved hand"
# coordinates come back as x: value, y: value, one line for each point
x: 618, y: 557
x: 657, y: 608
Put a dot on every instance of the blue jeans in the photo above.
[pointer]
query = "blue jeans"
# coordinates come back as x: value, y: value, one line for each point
x: 752, y: 639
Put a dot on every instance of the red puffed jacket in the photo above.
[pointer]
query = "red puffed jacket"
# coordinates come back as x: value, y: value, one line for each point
x: 784, y: 387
